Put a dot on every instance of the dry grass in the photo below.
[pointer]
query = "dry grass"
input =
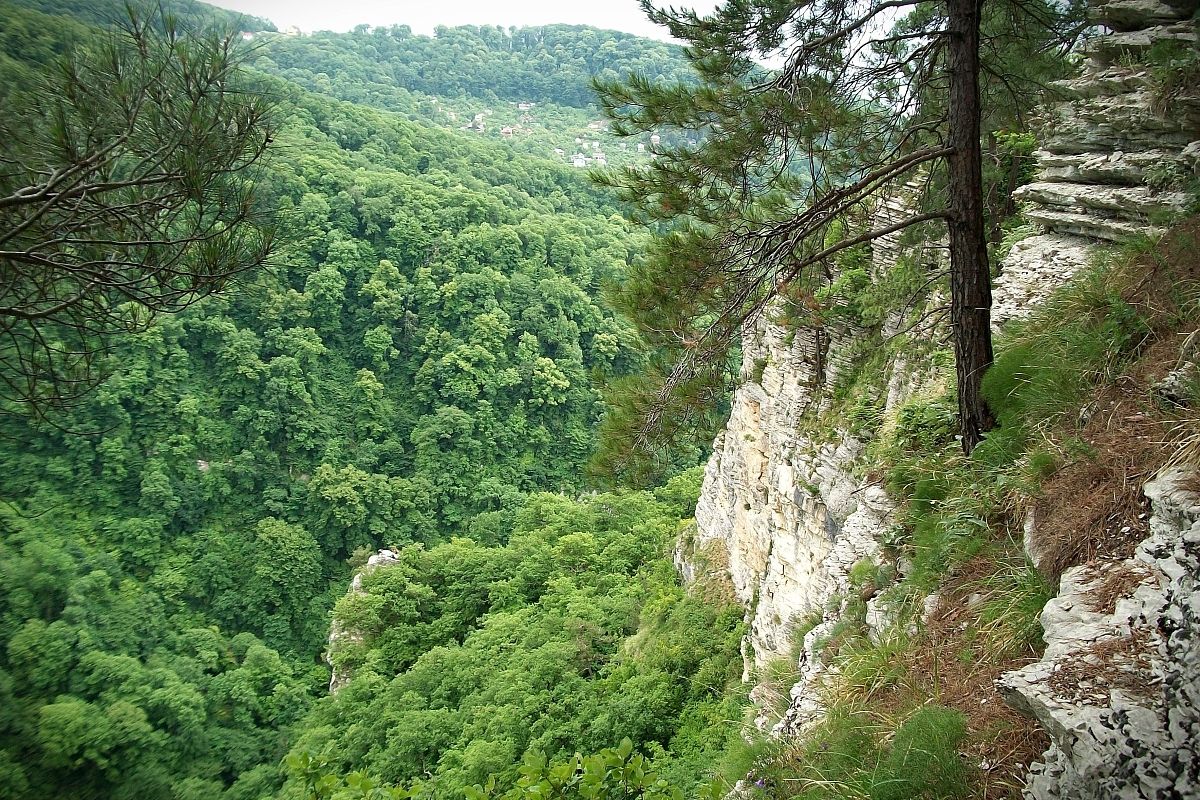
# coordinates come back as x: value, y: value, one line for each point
x: 1093, y: 507
x: 958, y: 666
x: 1116, y: 582
x: 1117, y: 663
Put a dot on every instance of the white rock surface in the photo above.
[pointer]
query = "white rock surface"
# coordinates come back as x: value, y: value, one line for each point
x: 1119, y: 728
x: 1098, y: 148
x: 1123, y: 203
x: 788, y: 510
x: 807, y: 707
x: 1123, y: 15
x: 1115, y: 167
x: 1033, y: 269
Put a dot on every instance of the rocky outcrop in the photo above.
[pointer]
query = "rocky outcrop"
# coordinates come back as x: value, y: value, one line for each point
x: 784, y: 499
x: 785, y: 502
x: 786, y: 506
x: 1118, y: 689
x: 1034, y: 268
x: 1108, y: 155
x: 339, y: 634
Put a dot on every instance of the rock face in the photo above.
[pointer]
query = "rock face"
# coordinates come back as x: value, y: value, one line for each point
x: 784, y: 499
x: 340, y: 635
x: 785, y: 503
x: 786, y: 508
x: 1110, y: 153
x: 1119, y: 690
x: 1034, y: 268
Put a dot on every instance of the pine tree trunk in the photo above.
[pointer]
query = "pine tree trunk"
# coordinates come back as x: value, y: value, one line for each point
x: 970, y: 281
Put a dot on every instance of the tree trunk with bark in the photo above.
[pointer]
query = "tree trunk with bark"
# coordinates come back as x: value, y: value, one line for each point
x: 970, y: 278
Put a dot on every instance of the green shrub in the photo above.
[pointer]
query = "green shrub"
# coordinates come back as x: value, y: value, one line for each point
x: 865, y: 414
x: 1175, y: 71
x: 1010, y: 621
x: 838, y: 759
x: 925, y: 424
x: 924, y: 761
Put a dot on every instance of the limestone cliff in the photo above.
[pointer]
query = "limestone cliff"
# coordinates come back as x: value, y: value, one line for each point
x: 784, y: 497
x: 785, y: 506
x: 1118, y: 689
x: 339, y: 634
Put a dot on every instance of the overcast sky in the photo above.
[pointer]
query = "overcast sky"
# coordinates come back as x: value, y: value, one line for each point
x: 423, y: 15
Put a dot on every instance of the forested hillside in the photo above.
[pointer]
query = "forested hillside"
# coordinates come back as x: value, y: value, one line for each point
x: 352, y: 428
x: 544, y: 64
x: 109, y: 12
x: 423, y: 355
x: 531, y: 87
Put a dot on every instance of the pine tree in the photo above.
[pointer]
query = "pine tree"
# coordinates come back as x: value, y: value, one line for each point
x: 126, y: 190
x: 776, y: 170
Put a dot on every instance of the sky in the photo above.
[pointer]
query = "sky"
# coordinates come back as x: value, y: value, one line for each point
x: 424, y: 15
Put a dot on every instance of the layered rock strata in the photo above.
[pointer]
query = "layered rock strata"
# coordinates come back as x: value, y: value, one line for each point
x: 1112, y: 155
x: 785, y: 507
x: 1118, y: 689
x: 784, y: 498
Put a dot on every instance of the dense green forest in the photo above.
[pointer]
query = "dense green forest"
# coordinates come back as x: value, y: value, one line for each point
x: 545, y: 64
x: 570, y: 637
x: 327, y: 373
x: 108, y: 12
x: 421, y: 361
x: 528, y: 86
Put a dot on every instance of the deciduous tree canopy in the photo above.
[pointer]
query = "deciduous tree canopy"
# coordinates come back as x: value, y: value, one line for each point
x: 421, y: 358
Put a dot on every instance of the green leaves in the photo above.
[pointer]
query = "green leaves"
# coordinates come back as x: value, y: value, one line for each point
x: 426, y: 348
x: 321, y: 785
x: 130, y: 193
x: 470, y: 660
x: 611, y: 774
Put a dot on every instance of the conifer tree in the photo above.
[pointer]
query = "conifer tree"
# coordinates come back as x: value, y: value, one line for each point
x: 126, y: 190
x: 776, y: 170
